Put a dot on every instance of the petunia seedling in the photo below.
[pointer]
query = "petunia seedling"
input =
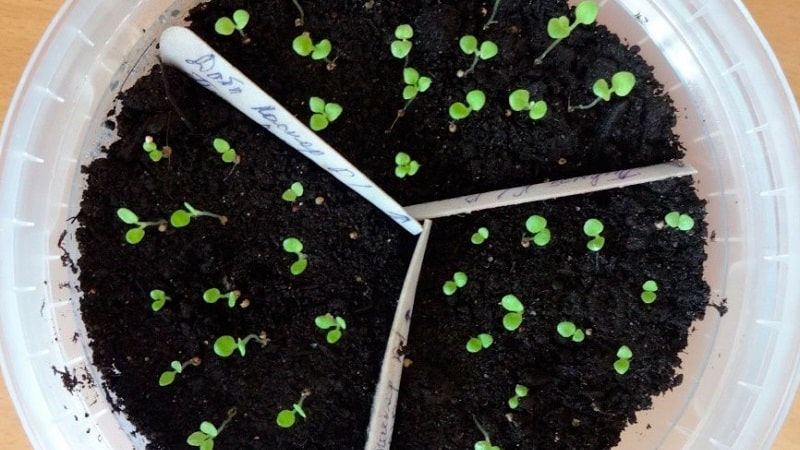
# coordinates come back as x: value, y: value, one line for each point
x: 469, y: 45
x: 227, y: 25
x: 226, y: 152
x: 476, y: 100
x: 513, y: 319
x: 204, y: 437
x: 451, y: 286
x: 559, y: 28
x: 520, y: 391
x: 293, y: 245
x: 621, y: 84
x: 136, y: 234
x: 294, y: 192
x: 159, y: 298
x: 649, y: 289
x: 324, y: 113
x: 569, y: 330
x: 155, y: 153
x: 405, y: 165
x: 334, y: 325
x: 287, y: 417
x: 224, y: 346
x: 167, y: 377
x: 401, y: 46
x: 593, y: 228
x: 675, y: 219
x: 539, y: 233
x: 491, y: 20
x: 479, y: 342
x: 486, y: 443
x: 480, y: 236
x: 623, y: 362
x: 414, y: 83
x: 213, y: 295
x: 520, y: 100
x: 182, y: 217
x: 303, y: 45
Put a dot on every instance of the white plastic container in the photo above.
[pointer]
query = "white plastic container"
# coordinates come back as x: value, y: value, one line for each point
x: 737, y: 119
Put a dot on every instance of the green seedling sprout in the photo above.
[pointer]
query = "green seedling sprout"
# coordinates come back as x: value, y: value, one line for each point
x: 559, y: 27
x: 227, y: 25
x: 136, y: 234
x: 168, y: 376
x: 451, y: 286
x: 476, y: 100
x: 593, y: 228
x: 469, y: 45
x: 480, y: 236
x: 520, y: 391
x: 513, y: 319
x: 226, y: 153
x: 324, y: 113
x: 155, y: 153
x: 159, y: 298
x: 537, y: 227
x: 568, y: 330
x: 304, y: 46
x: 520, y: 100
x: 300, y: 21
x: 287, y: 417
x: 623, y: 362
x: 480, y: 342
x: 213, y: 295
x: 401, y: 47
x: 334, y: 325
x: 649, y: 289
x: 414, y: 85
x: 224, y: 346
x: 294, y: 192
x: 675, y: 219
x: 293, y: 245
x: 405, y: 165
x: 486, y: 443
x: 621, y: 84
x: 491, y: 20
x: 182, y: 217
x: 204, y: 438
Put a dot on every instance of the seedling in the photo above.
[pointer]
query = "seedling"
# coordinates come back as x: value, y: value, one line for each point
x: 204, y: 438
x: 480, y: 342
x: 287, y: 417
x: 491, y: 20
x: 324, y: 113
x: 520, y: 391
x: 414, y: 84
x: 294, y: 192
x: 401, y: 47
x: 623, y: 362
x: 405, y: 165
x: 160, y: 298
x: 334, y: 325
x: 226, y: 152
x: 621, y: 84
x: 182, y: 217
x: 649, y: 289
x: 513, y: 319
x: 559, y: 27
x: 537, y: 227
x: 227, y: 25
x: 675, y: 219
x: 593, y: 228
x: 469, y: 45
x: 476, y: 100
x: 520, y: 100
x: 135, y: 235
x: 304, y: 46
x: 224, y: 346
x: 451, y: 286
x: 300, y: 21
x: 168, y: 376
x: 569, y: 330
x: 155, y: 153
x: 293, y: 245
x: 213, y: 295
x: 480, y: 236
x: 486, y: 443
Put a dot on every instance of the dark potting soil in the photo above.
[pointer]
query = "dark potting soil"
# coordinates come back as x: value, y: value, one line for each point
x: 357, y: 257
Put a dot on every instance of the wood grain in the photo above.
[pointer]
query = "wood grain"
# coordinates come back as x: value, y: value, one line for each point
x: 23, y: 26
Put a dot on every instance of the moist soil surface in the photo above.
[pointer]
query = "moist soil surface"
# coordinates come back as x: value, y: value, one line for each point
x: 357, y: 257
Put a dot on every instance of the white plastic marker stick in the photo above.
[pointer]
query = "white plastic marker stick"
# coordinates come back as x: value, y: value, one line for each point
x: 549, y: 190
x: 381, y: 422
x: 185, y: 50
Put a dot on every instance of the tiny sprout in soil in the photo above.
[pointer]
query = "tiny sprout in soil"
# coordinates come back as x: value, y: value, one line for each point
x: 401, y: 47
x: 469, y: 45
x: 300, y: 20
x: 181, y: 217
x: 294, y: 191
x: 227, y: 25
x: 513, y: 319
x: 480, y: 342
x: 451, y: 286
x: 559, y: 27
x: 520, y: 100
x: 226, y: 153
x: 568, y: 330
x: 621, y: 84
x: 204, y: 437
x: 293, y: 245
x: 405, y: 165
x: 287, y: 417
x: 683, y: 222
x: 537, y: 227
x: 168, y: 376
x: 159, y: 298
x: 155, y: 153
x: 593, y: 228
x: 224, y: 346
x: 476, y: 100
x: 414, y: 83
x: 135, y: 235
x: 334, y: 325
x: 520, y: 391
x: 304, y: 46
x: 324, y: 113
x: 480, y: 236
x: 486, y: 443
x: 649, y: 289
x: 213, y: 295
x: 491, y: 20
x: 623, y: 362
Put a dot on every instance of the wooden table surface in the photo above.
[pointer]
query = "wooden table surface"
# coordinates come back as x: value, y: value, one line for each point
x: 23, y: 25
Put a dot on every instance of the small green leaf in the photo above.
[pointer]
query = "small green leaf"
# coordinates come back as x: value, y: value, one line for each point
x: 325, y: 321
x: 476, y: 99
x: 402, y: 158
x: 596, y: 243
x: 241, y: 18
x: 622, y: 83
x: 166, y: 378
x: 558, y: 27
x: 521, y: 390
x: 511, y: 303
x: 566, y: 329
x: 286, y: 418
x: 542, y: 238
x: 685, y: 222
x: 333, y: 111
x: 303, y: 45
x: 340, y: 322
x: 513, y: 403
x: 460, y: 278
x: 424, y: 83
x: 459, y: 111
x: 197, y: 439
x: 468, y: 44
x: 535, y: 224
x: 622, y: 366
x: 538, y: 110
x: 410, y: 75
x: 488, y: 50
x: 672, y: 219
x: 176, y: 366
x: 298, y: 266
x: 486, y: 340
x: 292, y: 245
x: 127, y: 216
x: 404, y: 31
x: 648, y: 297
x: 624, y: 352
x: 316, y: 104
x: 209, y: 429
x: 400, y: 49
x: 579, y: 336
x: 449, y: 287
x: 650, y: 285
x: 321, y: 50
x: 318, y: 122
x: 224, y: 26
x: 180, y: 218
x: 512, y: 321
x: 333, y: 336
x: 601, y: 89
x: 592, y: 227
x: 586, y: 12
x: 224, y: 346
x: 519, y: 100
x: 474, y: 345
x: 212, y: 295
x: 221, y: 145
x: 134, y: 235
